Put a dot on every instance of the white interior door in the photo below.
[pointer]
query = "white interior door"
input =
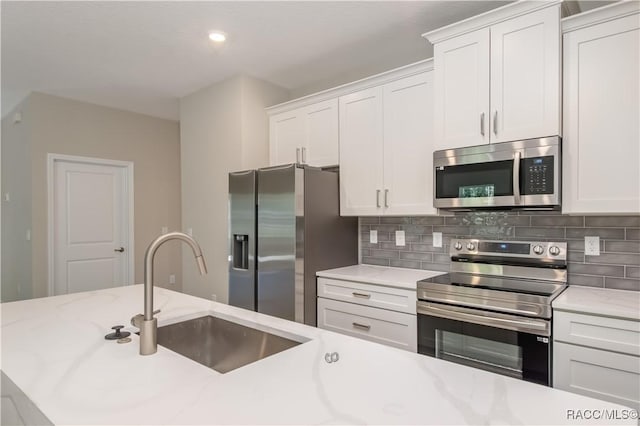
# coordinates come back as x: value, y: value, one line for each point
x: 91, y: 225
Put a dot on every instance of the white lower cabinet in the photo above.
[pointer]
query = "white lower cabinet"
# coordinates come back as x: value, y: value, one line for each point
x: 377, y: 313
x: 597, y: 373
x: 597, y: 357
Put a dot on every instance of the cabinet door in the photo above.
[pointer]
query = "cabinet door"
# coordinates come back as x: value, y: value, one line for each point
x: 377, y: 325
x: 601, y: 145
x: 286, y: 137
x: 461, y: 67
x: 596, y: 373
x: 321, y: 129
x: 525, y: 76
x: 361, y: 153
x: 408, y: 146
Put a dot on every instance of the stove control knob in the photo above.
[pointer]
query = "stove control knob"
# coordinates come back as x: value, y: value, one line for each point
x: 471, y: 246
x: 458, y: 245
x: 554, y: 250
x: 538, y: 249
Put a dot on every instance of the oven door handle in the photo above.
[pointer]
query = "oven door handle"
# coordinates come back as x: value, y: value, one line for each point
x: 516, y: 177
x: 532, y: 326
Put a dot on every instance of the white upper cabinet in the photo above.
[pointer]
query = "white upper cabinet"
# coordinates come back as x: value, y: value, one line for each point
x: 321, y: 142
x: 286, y: 134
x: 497, y: 76
x: 386, y: 150
x: 306, y: 135
x: 601, y: 146
x: 462, y: 91
x: 525, y: 76
x: 408, y: 148
x: 361, y: 153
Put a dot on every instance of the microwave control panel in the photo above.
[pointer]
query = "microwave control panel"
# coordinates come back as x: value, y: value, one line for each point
x: 537, y: 175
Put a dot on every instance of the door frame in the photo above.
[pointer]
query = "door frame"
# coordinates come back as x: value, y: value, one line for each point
x: 129, y: 231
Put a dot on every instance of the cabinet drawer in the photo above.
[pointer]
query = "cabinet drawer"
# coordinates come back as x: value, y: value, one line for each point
x: 611, y: 334
x: 377, y: 325
x: 395, y: 299
x: 596, y: 373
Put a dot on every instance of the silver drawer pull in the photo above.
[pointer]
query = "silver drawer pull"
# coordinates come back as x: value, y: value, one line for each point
x: 361, y: 326
x: 363, y: 295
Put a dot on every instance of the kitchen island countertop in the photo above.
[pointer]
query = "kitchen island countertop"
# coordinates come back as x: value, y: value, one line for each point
x: 54, y: 350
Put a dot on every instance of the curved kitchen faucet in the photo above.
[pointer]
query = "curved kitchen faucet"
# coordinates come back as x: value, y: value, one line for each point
x: 147, y: 324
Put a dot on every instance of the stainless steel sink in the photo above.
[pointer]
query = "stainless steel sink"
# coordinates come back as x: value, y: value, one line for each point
x: 220, y: 344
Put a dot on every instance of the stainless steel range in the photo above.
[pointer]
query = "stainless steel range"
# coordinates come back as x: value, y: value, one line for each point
x: 493, y: 310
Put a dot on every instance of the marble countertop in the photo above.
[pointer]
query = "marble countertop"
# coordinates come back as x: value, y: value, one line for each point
x: 54, y: 350
x: 599, y: 301
x: 381, y: 275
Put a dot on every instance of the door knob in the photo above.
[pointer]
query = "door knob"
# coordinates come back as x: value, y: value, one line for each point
x: 121, y: 249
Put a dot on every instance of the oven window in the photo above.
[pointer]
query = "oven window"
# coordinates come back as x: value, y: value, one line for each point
x: 499, y: 357
x: 508, y: 352
x: 492, y: 179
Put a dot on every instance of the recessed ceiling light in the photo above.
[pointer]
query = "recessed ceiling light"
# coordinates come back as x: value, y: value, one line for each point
x: 217, y: 36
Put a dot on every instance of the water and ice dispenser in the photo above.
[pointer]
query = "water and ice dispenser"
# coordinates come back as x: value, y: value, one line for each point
x: 241, y: 251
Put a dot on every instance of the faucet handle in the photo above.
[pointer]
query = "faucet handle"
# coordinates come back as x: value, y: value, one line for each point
x: 136, y: 320
x: 157, y: 311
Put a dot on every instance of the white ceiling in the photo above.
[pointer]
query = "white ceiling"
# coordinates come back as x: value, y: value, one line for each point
x: 143, y: 56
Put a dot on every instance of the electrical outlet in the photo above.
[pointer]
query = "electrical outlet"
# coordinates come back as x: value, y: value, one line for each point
x: 164, y: 229
x: 400, y: 238
x: 172, y: 279
x: 437, y: 239
x: 214, y: 297
x: 190, y: 232
x: 592, y: 246
x: 373, y: 236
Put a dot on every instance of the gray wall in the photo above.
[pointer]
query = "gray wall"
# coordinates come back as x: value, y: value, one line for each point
x: 63, y: 126
x: 223, y: 128
x: 16, y: 213
x: 618, y: 265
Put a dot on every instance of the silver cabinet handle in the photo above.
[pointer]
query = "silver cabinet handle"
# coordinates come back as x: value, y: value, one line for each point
x: 298, y: 155
x: 362, y: 295
x: 361, y: 326
x: 516, y: 177
x: 386, y: 198
x: 482, y: 124
x: 121, y: 249
x: 495, y: 122
x: 377, y: 198
x: 304, y: 155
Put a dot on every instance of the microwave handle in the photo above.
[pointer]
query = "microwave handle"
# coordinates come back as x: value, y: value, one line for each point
x: 516, y: 177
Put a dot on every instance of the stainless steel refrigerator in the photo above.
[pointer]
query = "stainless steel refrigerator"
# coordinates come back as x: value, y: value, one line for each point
x: 284, y: 226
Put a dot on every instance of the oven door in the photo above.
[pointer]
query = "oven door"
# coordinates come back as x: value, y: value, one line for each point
x: 506, y: 344
x: 488, y: 179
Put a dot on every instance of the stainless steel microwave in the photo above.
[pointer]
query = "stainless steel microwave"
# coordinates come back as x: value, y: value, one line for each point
x: 522, y: 175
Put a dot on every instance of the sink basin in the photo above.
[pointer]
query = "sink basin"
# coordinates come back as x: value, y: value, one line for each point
x: 220, y: 344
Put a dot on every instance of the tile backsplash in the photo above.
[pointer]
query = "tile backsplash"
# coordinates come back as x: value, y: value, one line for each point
x: 618, y: 265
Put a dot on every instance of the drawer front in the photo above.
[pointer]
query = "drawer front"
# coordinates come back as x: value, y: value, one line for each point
x: 611, y: 334
x: 596, y: 373
x: 377, y: 325
x: 395, y: 299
